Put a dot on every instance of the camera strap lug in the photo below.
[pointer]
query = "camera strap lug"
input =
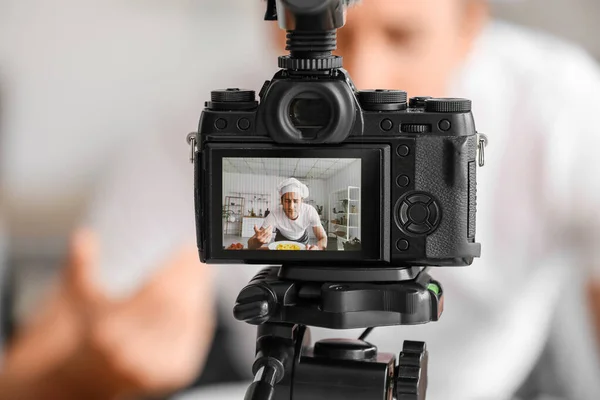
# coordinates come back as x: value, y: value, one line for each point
x: 191, y: 141
x: 482, y: 142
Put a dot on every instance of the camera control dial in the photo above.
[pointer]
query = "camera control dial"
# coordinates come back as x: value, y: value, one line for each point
x: 232, y: 95
x: 383, y: 100
x: 232, y: 99
x: 447, y: 105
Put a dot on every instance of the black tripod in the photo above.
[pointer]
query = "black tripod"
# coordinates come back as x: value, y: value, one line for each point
x: 284, y: 301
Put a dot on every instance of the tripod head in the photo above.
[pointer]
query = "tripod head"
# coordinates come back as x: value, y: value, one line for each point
x: 336, y: 369
x: 339, y: 304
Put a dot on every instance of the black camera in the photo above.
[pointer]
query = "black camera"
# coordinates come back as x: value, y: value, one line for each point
x: 395, y: 177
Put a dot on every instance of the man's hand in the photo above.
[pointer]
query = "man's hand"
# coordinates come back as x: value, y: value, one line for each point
x: 97, y: 348
x: 261, y: 237
x: 313, y: 247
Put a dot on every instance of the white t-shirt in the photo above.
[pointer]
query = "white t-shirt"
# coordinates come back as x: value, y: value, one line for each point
x: 538, y: 101
x: 293, y: 229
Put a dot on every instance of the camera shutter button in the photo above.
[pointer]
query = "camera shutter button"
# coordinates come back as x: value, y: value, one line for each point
x: 418, y: 102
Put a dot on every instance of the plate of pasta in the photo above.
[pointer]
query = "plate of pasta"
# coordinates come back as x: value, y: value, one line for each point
x: 286, y: 245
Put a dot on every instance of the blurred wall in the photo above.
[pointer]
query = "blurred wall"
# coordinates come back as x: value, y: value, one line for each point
x: 76, y: 87
x: 575, y: 20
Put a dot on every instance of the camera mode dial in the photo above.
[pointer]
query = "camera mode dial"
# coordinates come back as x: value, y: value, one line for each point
x: 383, y: 100
x: 232, y: 99
x: 446, y: 105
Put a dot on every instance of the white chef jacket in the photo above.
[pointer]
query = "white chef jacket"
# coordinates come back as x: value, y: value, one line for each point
x: 537, y: 99
x: 293, y: 229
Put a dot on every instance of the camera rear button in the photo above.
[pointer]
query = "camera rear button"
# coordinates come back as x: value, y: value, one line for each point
x: 386, y: 125
x: 243, y: 124
x: 403, y: 181
x: 220, y: 124
x: 402, y: 245
x: 403, y: 150
x: 445, y: 125
x: 418, y: 213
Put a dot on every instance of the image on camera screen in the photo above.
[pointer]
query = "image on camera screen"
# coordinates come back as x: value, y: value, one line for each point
x: 292, y: 204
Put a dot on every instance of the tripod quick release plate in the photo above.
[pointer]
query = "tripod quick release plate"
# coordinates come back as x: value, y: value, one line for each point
x: 344, y: 305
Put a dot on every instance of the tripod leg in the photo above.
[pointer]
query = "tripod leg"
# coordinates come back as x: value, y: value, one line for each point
x: 263, y: 387
x: 276, y: 348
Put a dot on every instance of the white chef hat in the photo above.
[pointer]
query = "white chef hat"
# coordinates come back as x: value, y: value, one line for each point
x: 293, y: 185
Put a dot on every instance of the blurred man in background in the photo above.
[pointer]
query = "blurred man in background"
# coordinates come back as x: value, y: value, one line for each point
x: 535, y: 208
x: 536, y: 99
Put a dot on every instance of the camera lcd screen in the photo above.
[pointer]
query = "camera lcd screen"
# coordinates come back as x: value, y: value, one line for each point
x: 292, y: 204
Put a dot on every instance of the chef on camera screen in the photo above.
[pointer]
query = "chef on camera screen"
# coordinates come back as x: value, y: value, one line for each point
x: 294, y: 203
x: 292, y: 220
